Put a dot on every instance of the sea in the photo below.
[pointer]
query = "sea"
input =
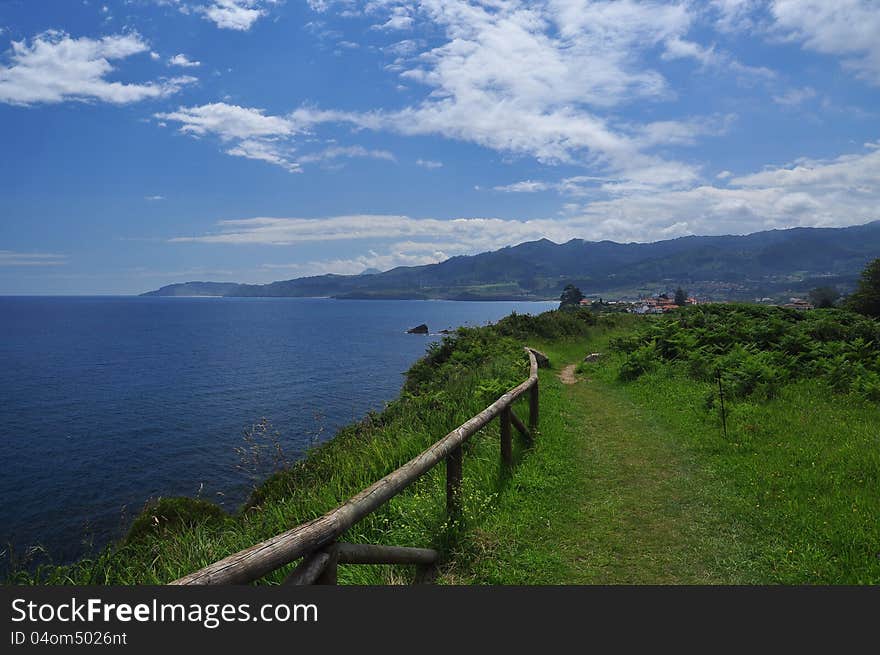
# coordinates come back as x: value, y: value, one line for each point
x: 108, y: 402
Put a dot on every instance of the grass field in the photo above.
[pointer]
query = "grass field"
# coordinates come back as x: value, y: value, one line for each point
x: 635, y: 482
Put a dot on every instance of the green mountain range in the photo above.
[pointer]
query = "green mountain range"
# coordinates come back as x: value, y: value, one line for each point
x: 773, y: 264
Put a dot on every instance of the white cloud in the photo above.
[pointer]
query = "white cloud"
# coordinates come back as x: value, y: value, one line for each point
x: 847, y: 173
x: 794, y: 97
x: 319, y: 5
x: 400, y: 19
x: 526, y: 186
x: 844, y: 28
x: 710, y: 58
x: 229, y: 121
x: 154, y: 198
x: 429, y: 163
x: 736, y: 15
x: 55, y: 67
x: 250, y: 133
x: 678, y: 48
x: 268, y: 151
x: 404, y: 48
x: 183, y: 61
x: 12, y: 258
x: 336, y: 152
x: 538, y: 80
x: 579, y: 185
x: 471, y: 234
x: 831, y: 193
x: 391, y: 258
x: 237, y: 15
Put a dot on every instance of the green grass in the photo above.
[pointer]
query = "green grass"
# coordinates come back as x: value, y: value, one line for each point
x: 800, y: 469
x: 635, y: 482
x: 606, y: 497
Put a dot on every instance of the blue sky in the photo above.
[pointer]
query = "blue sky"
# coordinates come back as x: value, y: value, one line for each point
x: 146, y: 142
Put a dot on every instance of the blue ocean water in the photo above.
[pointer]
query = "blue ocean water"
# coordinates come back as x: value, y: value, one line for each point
x: 107, y: 402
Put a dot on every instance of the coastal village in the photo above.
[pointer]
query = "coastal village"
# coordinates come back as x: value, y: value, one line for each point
x: 664, y: 302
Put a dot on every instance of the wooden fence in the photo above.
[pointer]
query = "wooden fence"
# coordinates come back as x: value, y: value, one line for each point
x: 316, y: 541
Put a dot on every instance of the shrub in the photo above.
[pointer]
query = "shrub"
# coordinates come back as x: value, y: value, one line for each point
x: 164, y: 515
x: 758, y: 349
x: 639, y: 362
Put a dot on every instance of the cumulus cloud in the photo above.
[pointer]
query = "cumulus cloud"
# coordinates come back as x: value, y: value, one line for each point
x: 528, y: 79
x: 247, y: 132
x: 183, y: 61
x: 251, y: 133
x: 229, y: 121
x: 237, y: 15
x: 847, y: 173
x: 400, y: 19
x: 539, y: 80
x: 55, y: 67
x: 844, y: 28
x: 827, y: 193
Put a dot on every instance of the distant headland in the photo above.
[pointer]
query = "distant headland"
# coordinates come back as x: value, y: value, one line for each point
x: 769, y: 264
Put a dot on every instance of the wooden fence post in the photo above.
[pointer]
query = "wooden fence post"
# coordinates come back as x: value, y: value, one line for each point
x: 506, y: 441
x: 453, y: 482
x: 533, y: 408
x: 328, y: 575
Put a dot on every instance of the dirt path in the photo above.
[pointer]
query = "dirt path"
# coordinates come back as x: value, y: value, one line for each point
x: 567, y: 374
x: 612, y: 498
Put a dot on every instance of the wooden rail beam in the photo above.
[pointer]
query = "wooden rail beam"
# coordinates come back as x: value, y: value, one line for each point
x: 520, y: 427
x: 258, y: 560
x: 309, y: 570
x: 372, y: 554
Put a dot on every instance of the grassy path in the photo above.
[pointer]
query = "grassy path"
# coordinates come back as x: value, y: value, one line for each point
x: 608, y: 496
x: 642, y: 515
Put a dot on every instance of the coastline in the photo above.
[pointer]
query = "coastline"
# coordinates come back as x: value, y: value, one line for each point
x: 456, y: 379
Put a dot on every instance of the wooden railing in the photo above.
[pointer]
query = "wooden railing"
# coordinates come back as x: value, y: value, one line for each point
x: 316, y: 541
